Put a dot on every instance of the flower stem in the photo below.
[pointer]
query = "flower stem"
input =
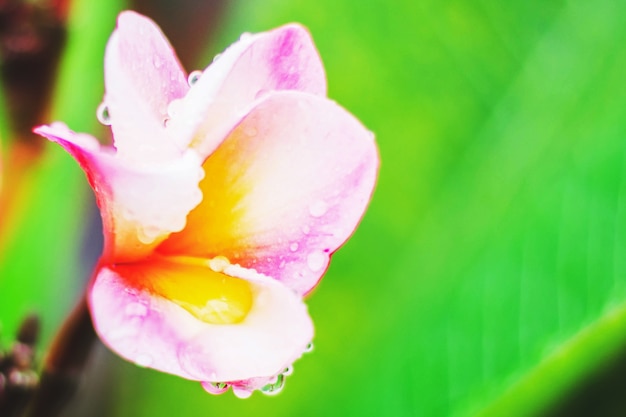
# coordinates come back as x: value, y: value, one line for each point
x: 64, y: 363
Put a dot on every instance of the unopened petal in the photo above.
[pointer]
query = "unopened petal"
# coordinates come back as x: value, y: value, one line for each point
x: 156, y: 332
x: 140, y: 206
x: 284, y: 190
x: 278, y: 60
x: 142, y: 77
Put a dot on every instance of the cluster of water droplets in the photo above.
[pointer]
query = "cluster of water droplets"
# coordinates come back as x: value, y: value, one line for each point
x: 273, y: 387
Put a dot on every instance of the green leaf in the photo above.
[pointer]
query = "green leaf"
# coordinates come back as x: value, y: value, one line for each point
x: 488, y: 276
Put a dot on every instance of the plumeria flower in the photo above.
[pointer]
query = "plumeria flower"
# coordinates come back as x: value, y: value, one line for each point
x: 223, y: 197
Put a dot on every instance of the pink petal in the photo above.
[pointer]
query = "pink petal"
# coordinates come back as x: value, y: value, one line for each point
x: 284, y: 190
x: 155, y: 332
x: 142, y: 77
x: 140, y: 206
x: 282, y: 59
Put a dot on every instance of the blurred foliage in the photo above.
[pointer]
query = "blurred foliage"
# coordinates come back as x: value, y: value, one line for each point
x: 488, y: 276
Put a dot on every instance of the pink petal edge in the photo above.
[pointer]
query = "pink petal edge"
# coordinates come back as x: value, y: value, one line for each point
x: 142, y: 77
x: 154, y: 332
x: 282, y: 59
x: 307, y: 186
x: 134, y: 223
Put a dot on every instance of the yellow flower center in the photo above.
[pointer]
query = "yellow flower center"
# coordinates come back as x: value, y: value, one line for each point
x: 197, y: 285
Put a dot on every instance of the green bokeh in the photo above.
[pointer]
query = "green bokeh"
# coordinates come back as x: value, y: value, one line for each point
x: 488, y: 276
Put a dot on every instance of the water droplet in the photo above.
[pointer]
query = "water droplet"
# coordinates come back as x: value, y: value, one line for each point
x: 293, y: 247
x: 103, y: 114
x: 148, y: 234
x: 241, y: 392
x: 245, y: 36
x: 143, y: 360
x: 216, y: 57
x: 128, y: 330
x: 274, y: 388
x: 318, y: 209
x: 174, y: 107
x: 157, y: 62
x: 306, y: 229
x: 261, y: 93
x: 136, y: 310
x: 282, y: 264
x: 316, y: 260
x: 194, y: 76
x: 215, y: 388
x: 219, y: 263
x: 288, y: 371
x: 308, y: 348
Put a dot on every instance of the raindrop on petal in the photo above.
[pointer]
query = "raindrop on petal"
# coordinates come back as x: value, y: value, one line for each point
x: 293, y: 247
x: 148, y: 234
x: 241, y: 392
x: 219, y: 263
x: 316, y: 260
x: 174, y: 107
x: 215, y: 388
x: 103, y: 114
x: 143, y: 360
x: 274, y: 387
x: 318, y: 209
x: 308, y: 348
x: 261, y: 93
x: 288, y: 371
x: 193, y: 78
x: 216, y: 57
x: 136, y: 310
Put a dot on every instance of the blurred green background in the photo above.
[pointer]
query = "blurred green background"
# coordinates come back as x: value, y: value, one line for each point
x: 488, y: 276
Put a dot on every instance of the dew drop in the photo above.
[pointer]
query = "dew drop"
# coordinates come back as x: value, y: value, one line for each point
x: 216, y: 57
x: 157, y: 62
x: 293, y: 247
x: 219, y: 263
x: 306, y: 229
x: 282, y: 264
x: 143, y: 360
x: 288, y: 371
x: 103, y: 114
x: 136, y: 310
x: 274, y: 388
x: 174, y: 107
x: 122, y: 332
x: 242, y: 392
x: 308, y: 348
x: 148, y: 234
x: 194, y: 76
x: 318, y: 209
x: 215, y: 388
x: 316, y: 260
x: 261, y: 93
